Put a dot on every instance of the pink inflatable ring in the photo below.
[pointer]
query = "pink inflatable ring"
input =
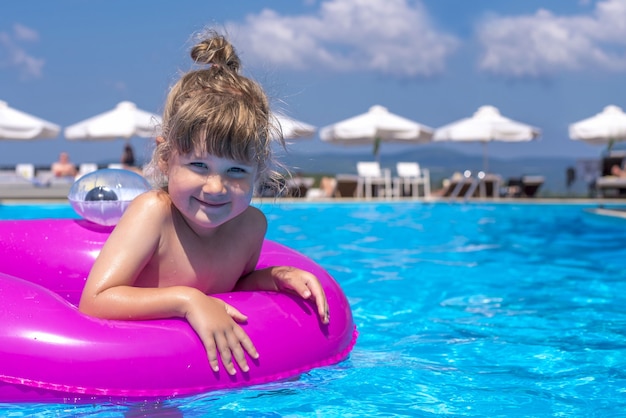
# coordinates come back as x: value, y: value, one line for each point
x: 49, y: 351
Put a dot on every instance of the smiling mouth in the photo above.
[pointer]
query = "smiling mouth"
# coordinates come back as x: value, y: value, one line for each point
x: 211, y: 204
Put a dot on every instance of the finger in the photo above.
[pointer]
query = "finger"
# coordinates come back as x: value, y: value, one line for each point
x: 211, y: 351
x: 235, y: 313
x: 300, y: 288
x: 223, y: 348
x: 246, y: 343
x: 322, y: 310
x: 320, y: 301
x: 237, y: 351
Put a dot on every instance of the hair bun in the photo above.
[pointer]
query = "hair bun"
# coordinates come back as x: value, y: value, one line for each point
x: 216, y: 50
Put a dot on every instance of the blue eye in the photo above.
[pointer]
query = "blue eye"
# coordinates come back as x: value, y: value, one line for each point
x: 237, y: 172
x: 198, y: 165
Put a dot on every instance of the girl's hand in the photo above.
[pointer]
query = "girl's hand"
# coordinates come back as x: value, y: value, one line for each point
x: 304, y: 284
x: 215, y: 323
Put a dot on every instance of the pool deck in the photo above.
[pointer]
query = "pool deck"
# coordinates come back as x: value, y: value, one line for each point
x: 29, y: 192
x: 45, y: 187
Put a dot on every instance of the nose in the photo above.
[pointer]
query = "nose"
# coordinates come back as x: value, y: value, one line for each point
x: 214, y: 184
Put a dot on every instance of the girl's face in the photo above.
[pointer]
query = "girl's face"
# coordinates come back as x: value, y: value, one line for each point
x: 209, y: 190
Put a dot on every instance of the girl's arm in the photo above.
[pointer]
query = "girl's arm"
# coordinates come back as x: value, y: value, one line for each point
x: 285, y: 278
x: 110, y: 292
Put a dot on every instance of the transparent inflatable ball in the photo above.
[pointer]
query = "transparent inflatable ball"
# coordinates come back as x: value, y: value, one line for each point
x: 102, y: 196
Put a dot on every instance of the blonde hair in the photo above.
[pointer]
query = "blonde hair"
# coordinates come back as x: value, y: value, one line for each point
x: 215, y: 109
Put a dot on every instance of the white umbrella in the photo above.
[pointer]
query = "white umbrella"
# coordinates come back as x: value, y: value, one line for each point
x: 292, y: 128
x: 605, y: 127
x: 374, y: 126
x: 15, y: 124
x: 486, y: 125
x: 125, y: 121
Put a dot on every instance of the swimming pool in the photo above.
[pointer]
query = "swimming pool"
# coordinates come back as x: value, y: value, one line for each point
x: 468, y: 310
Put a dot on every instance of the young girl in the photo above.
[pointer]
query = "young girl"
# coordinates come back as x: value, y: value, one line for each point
x: 198, y: 235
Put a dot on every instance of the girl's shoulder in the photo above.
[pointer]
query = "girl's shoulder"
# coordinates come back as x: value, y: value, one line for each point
x: 153, y: 197
x: 153, y: 203
x: 146, y: 215
x: 251, y: 222
x: 256, y: 216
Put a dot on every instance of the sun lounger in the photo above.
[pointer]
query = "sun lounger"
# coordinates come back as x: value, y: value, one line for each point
x: 26, y: 172
x: 467, y: 186
x: 611, y: 186
x: 346, y: 185
x: 513, y: 187
x: 488, y: 186
x: 525, y: 186
x: 298, y: 186
x: 531, y: 184
x: 373, y: 181
x: 458, y: 185
x: 411, y: 177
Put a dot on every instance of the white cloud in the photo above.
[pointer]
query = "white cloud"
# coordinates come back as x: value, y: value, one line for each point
x: 13, y: 55
x: 24, y: 33
x: 385, y: 36
x: 545, y: 44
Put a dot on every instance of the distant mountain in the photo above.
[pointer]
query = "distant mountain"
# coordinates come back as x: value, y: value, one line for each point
x: 442, y: 163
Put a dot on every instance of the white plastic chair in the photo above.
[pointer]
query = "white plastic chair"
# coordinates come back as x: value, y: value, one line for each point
x: 26, y: 171
x: 86, y: 168
x: 411, y: 176
x: 370, y: 174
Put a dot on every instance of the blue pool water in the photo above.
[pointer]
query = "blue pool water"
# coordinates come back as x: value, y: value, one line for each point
x: 466, y: 310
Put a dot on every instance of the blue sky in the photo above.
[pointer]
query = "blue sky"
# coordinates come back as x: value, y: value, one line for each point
x: 546, y: 63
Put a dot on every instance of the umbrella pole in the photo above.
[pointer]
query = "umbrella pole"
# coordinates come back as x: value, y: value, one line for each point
x: 377, y: 149
x: 485, y: 160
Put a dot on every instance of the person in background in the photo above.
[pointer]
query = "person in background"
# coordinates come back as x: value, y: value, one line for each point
x: 197, y: 234
x: 128, y: 159
x: 128, y: 156
x: 328, y: 186
x: 64, y: 167
x: 618, y: 171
